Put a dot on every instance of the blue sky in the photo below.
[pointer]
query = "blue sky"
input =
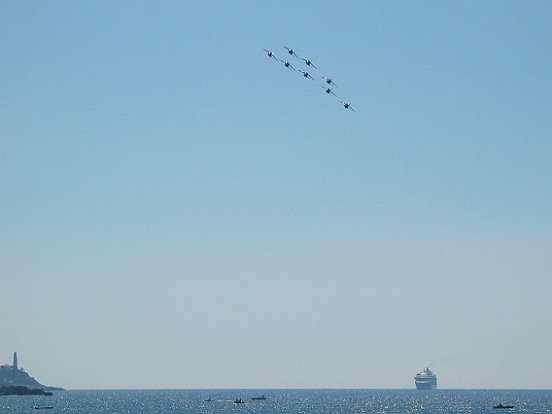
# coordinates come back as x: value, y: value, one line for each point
x: 177, y: 203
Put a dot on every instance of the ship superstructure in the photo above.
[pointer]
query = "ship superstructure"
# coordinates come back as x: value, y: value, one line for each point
x: 425, y: 380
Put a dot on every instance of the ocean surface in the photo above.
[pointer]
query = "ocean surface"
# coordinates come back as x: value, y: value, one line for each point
x: 283, y: 402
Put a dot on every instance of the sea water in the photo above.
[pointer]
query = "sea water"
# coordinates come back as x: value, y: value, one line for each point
x: 283, y: 402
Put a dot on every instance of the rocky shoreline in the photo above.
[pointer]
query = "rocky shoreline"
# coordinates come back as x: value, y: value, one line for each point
x: 21, y: 390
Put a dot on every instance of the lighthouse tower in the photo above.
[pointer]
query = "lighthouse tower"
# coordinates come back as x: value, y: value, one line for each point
x: 15, y: 360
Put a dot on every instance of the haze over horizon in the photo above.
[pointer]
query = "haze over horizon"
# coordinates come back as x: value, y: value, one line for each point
x: 178, y: 210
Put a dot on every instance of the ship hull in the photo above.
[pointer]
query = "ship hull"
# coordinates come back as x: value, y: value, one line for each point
x: 426, y: 385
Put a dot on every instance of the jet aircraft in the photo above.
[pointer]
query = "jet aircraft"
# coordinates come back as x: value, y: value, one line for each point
x: 328, y: 91
x: 270, y: 54
x: 309, y: 63
x: 347, y: 105
x: 287, y: 64
x: 329, y: 81
x: 291, y: 51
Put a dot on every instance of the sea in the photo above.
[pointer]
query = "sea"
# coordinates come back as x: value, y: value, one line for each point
x: 308, y: 401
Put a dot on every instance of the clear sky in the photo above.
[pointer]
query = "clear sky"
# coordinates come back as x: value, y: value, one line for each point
x: 177, y: 210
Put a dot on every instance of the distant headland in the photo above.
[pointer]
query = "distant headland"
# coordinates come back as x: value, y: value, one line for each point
x: 21, y: 390
x: 14, y: 380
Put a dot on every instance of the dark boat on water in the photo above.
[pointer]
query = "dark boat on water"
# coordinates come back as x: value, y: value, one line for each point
x: 43, y: 407
x: 502, y: 406
x: 260, y: 397
x: 238, y: 401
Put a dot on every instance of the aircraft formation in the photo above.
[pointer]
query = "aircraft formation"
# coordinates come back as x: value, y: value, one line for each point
x: 306, y: 72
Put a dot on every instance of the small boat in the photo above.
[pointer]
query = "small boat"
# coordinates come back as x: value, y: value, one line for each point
x: 43, y: 407
x: 502, y: 406
x: 208, y: 399
x: 260, y: 397
x: 238, y: 401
